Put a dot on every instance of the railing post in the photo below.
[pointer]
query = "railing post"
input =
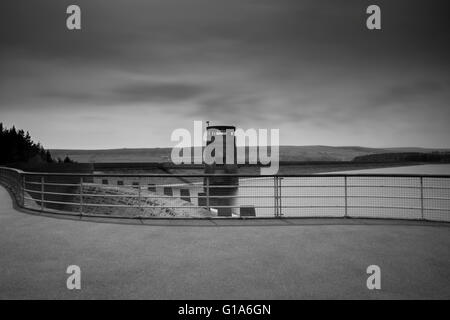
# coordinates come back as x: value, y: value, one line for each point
x: 421, y: 198
x: 280, y: 213
x: 81, y: 196
x: 42, y: 193
x: 345, y: 197
x: 275, y: 194
x: 139, y: 194
x: 207, y: 193
x: 16, y: 187
x: 23, y: 190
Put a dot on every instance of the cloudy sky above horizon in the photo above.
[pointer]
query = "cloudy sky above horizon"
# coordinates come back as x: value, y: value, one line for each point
x: 140, y: 69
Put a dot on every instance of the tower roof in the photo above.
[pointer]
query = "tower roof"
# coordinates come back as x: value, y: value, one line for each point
x: 221, y: 128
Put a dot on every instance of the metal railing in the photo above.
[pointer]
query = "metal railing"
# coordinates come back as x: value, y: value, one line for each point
x: 398, y: 196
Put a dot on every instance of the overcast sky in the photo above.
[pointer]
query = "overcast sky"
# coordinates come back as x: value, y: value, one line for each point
x: 140, y: 69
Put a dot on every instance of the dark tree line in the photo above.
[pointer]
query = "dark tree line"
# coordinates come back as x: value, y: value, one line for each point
x: 435, y: 156
x: 16, y: 146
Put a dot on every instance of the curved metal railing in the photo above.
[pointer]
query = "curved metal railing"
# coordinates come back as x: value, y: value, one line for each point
x: 398, y: 196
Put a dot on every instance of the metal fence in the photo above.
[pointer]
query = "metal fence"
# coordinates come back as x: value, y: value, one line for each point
x: 421, y: 197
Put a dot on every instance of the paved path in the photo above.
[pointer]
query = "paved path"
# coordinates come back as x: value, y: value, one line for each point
x: 304, y: 259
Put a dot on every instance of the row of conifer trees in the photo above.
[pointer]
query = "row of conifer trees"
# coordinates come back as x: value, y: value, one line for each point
x: 16, y: 146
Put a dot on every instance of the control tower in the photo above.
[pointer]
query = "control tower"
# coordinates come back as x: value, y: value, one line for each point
x: 222, y: 186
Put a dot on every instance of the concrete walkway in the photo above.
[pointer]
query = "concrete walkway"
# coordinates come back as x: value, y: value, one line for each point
x: 297, y: 260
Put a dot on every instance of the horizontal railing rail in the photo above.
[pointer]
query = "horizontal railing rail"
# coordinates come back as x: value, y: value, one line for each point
x: 132, y: 195
x: 238, y: 175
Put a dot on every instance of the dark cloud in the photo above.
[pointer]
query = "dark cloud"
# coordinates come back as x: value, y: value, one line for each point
x: 160, y: 92
x: 408, y: 94
x: 130, y: 92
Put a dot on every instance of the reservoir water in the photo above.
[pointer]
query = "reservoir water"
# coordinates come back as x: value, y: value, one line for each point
x: 384, y: 197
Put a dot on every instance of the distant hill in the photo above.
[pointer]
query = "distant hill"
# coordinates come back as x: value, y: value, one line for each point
x: 287, y: 153
x: 434, y: 156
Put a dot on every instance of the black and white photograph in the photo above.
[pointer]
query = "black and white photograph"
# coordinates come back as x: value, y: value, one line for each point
x: 224, y: 155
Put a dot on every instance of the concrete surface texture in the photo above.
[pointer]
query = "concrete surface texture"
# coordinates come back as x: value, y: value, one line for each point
x: 303, y: 259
